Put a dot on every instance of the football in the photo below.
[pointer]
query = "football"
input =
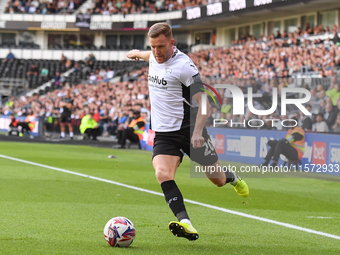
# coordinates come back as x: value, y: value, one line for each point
x: 119, y: 232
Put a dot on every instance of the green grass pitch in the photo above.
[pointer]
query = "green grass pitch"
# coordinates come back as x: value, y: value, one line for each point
x: 43, y: 211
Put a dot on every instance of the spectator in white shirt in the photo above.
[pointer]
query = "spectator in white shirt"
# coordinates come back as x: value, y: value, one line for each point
x: 106, y: 11
x: 32, y: 9
x: 35, y: 3
x: 102, y: 73
x: 320, y: 125
x: 109, y: 74
x: 61, y: 4
x: 71, y: 5
x: 92, y: 77
x: 171, y: 6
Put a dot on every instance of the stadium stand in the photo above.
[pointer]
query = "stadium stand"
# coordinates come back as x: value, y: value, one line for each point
x: 264, y: 65
x: 309, y: 57
x: 35, y: 71
x: 268, y: 59
x: 106, y: 7
x: 295, y: 38
x: 96, y: 71
x: 43, y: 7
x: 132, y: 93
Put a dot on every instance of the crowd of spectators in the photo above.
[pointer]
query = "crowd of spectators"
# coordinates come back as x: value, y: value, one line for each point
x: 268, y: 59
x: 109, y: 102
x: 43, y: 6
x: 277, y: 63
x: 296, y: 38
x: 260, y: 65
x: 324, y: 107
x: 112, y: 103
x: 107, y: 7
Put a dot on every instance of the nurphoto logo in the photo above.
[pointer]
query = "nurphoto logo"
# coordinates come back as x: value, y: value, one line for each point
x: 239, y: 104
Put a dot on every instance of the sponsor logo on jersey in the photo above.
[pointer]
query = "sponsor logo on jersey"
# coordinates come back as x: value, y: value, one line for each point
x: 159, y: 80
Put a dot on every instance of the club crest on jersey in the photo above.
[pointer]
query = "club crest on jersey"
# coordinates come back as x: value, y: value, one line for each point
x: 156, y: 79
x: 168, y: 70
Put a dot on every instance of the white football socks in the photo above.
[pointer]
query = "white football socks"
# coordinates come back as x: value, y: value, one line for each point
x: 186, y: 221
x: 235, y: 179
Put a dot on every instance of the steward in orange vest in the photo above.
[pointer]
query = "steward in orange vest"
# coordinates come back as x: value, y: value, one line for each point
x: 296, y: 138
x: 138, y: 126
x: 30, y: 119
x: 22, y: 126
x: 14, y: 121
x: 134, y: 132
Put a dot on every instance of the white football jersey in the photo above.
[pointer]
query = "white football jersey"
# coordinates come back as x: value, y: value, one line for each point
x: 169, y: 91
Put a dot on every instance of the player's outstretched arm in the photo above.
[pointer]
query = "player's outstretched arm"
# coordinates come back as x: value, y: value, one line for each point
x: 137, y: 54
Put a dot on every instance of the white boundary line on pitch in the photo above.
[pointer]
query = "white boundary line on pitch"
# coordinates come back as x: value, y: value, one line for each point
x: 287, y: 225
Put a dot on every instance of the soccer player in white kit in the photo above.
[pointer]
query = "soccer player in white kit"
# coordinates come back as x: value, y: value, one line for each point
x: 175, y: 87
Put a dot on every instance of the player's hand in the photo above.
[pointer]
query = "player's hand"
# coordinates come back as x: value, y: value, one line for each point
x: 133, y: 54
x: 197, y: 141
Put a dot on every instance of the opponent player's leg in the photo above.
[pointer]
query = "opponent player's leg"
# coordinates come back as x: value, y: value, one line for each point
x: 221, y: 175
x: 165, y: 167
